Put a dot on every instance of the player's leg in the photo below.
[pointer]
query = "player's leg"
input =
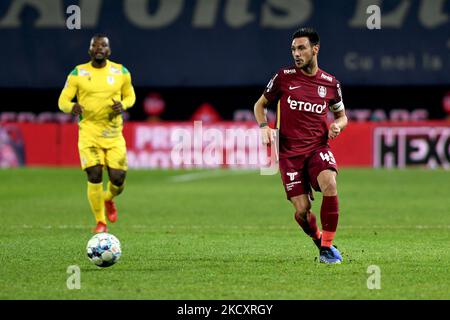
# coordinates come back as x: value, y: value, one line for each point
x: 95, y: 196
x: 305, y: 218
x: 92, y: 160
x: 297, y: 189
x: 115, y: 186
x: 322, y: 171
x: 329, y: 216
x: 329, y: 212
x: 117, y: 171
x: 116, y: 183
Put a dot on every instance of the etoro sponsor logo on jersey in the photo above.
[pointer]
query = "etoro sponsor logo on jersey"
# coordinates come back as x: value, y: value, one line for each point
x: 306, y: 106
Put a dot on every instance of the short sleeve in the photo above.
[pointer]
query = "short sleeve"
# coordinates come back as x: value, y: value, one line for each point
x: 273, y: 88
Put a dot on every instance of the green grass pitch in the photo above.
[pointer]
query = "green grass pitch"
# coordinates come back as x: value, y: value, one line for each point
x: 225, y: 235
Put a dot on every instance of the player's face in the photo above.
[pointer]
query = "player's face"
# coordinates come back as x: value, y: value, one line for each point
x: 99, y: 49
x: 302, y: 52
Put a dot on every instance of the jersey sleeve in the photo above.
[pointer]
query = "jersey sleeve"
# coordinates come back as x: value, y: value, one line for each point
x: 68, y: 93
x: 336, y: 103
x: 128, y: 95
x: 273, y: 88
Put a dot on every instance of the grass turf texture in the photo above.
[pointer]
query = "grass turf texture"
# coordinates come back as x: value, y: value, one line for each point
x: 226, y: 235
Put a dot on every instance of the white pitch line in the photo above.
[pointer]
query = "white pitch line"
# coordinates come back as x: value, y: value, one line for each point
x: 209, y: 174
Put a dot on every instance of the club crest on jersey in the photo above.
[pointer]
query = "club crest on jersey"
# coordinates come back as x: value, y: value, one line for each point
x: 110, y: 79
x: 322, y: 91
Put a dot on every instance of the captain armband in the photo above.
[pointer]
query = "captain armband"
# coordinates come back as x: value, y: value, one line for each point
x: 337, y: 107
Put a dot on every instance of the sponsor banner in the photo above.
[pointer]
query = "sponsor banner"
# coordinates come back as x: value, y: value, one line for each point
x: 195, y: 145
x: 164, y: 145
x: 405, y: 146
x: 228, y: 145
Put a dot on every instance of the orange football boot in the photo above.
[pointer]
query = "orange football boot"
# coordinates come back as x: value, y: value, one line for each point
x: 111, y: 210
x: 101, y: 227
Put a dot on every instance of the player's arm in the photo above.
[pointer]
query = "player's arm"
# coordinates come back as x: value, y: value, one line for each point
x: 338, y: 109
x: 339, y: 124
x: 271, y: 93
x: 260, y: 115
x: 128, y: 95
x: 65, y: 102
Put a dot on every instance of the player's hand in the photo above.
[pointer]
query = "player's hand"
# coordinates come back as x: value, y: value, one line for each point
x: 334, y: 131
x: 117, y: 107
x: 77, y: 109
x: 266, y: 135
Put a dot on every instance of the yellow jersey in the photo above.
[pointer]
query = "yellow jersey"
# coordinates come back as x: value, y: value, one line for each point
x: 95, y: 89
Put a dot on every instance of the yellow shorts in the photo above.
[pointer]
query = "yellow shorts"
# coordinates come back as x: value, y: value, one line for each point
x: 106, y: 152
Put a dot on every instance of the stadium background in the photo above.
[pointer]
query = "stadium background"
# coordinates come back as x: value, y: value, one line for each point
x: 210, y: 60
x: 226, y: 234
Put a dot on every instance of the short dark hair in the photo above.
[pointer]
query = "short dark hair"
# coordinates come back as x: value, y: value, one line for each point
x: 99, y: 35
x: 308, y: 32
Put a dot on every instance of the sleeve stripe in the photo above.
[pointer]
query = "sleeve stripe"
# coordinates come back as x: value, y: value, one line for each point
x: 278, y: 115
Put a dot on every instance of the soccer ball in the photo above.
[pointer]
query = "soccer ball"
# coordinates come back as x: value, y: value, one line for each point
x: 103, y: 249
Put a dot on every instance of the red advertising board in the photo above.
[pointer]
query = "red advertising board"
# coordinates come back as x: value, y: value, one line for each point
x: 228, y: 144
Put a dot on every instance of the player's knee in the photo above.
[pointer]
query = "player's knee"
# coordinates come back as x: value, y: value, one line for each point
x: 94, y: 174
x: 117, y: 178
x: 300, y: 215
x: 302, y: 211
x: 329, y: 187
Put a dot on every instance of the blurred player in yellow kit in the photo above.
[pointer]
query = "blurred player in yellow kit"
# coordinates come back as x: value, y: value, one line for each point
x: 103, y: 90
